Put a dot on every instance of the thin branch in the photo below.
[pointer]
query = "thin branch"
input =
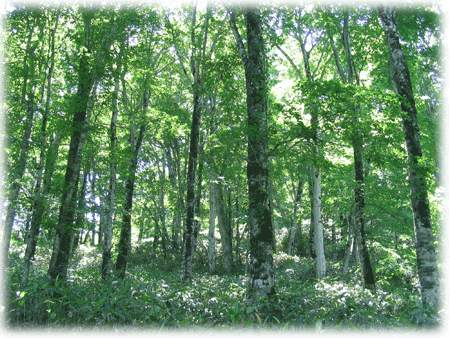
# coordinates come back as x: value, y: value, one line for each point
x: 238, y: 38
x: 175, y: 45
x: 297, y: 71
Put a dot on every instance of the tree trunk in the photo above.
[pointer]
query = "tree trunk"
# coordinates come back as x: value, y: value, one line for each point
x: 39, y: 206
x: 238, y: 234
x: 19, y: 167
x: 198, y: 197
x: 33, y: 231
x: 311, y: 220
x: 212, y: 225
x: 357, y: 144
x: 162, y: 213
x: 186, y: 266
x: 110, y: 203
x: 401, y: 80
x: 348, y: 248
x: 317, y: 224
x: 224, y: 228
x: 135, y: 140
x: 80, y: 210
x: 81, y: 117
x: 262, y: 281
x: 294, y: 226
x: 174, y: 173
x: 124, y: 247
x: 366, y: 267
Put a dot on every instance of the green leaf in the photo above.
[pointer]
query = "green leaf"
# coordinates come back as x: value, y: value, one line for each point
x: 250, y: 309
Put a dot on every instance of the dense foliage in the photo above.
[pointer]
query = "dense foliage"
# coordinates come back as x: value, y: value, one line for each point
x: 152, y: 297
x: 103, y: 192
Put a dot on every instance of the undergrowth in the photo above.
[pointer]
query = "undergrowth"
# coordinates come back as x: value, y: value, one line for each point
x: 151, y: 297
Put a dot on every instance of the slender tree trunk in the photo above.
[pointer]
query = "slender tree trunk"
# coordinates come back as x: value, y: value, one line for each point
x: 162, y: 213
x: 319, y: 251
x: 81, y: 117
x: 348, y: 248
x: 80, y: 210
x: 224, y: 228
x: 19, y: 168
x: 401, y: 80
x: 238, y: 235
x: 198, y: 197
x: 294, y: 226
x: 39, y: 206
x: 212, y: 225
x: 110, y: 203
x: 262, y: 281
x: 312, y: 252
x: 316, y: 200
x: 135, y: 140
x: 33, y: 231
x: 186, y: 266
x: 94, y: 221
x: 124, y: 247
x: 366, y: 267
x: 173, y: 173
x: 357, y: 144
x: 333, y: 237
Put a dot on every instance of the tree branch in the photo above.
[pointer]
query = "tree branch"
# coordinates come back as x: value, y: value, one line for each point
x: 238, y: 38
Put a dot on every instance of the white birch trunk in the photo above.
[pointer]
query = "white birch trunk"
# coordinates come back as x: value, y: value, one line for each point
x: 318, y: 225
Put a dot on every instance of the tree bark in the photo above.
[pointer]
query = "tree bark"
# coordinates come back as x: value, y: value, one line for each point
x: 198, y: 197
x: 212, y: 225
x: 319, y: 251
x: 316, y: 201
x: 186, y: 272
x: 294, y: 226
x: 33, y: 231
x: 348, y: 247
x: 173, y: 166
x: 19, y: 168
x: 262, y: 281
x: 81, y: 117
x: 110, y: 203
x: 162, y: 212
x: 366, y: 267
x: 401, y: 81
x: 124, y: 247
x: 188, y: 233
x: 357, y: 144
x: 80, y: 211
x: 224, y: 228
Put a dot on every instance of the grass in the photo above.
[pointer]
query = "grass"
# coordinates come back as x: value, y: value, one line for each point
x: 151, y: 297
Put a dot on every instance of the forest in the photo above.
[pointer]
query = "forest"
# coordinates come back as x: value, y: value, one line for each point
x: 206, y: 165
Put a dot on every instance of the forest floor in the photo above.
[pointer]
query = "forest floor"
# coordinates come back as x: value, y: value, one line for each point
x: 151, y: 297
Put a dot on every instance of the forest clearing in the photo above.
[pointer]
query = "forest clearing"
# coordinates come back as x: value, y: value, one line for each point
x: 220, y: 166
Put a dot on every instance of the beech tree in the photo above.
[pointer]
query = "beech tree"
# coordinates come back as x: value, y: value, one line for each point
x: 80, y: 123
x: 401, y: 82
x: 262, y: 281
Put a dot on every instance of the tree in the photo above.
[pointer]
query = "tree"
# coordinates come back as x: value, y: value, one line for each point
x: 262, y: 281
x: 33, y: 231
x: 135, y: 141
x: 224, y: 224
x: 27, y: 102
x: 198, y: 66
x: 349, y: 75
x: 109, y: 213
x: 212, y: 226
x: 401, y: 82
x: 80, y: 122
